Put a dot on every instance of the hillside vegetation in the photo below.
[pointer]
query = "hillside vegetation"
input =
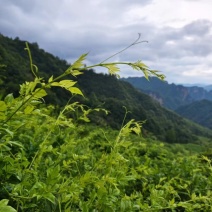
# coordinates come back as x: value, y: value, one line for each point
x: 193, y: 103
x: 113, y: 94
x: 17, y: 71
x: 199, y: 111
x: 54, y: 160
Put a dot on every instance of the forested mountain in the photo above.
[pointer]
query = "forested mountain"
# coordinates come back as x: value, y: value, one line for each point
x: 100, y: 90
x: 169, y: 95
x: 113, y: 94
x: 17, y: 70
x: 199, y: 111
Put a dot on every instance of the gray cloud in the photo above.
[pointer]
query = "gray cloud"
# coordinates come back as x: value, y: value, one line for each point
x: 70, y: 28
x: 200, y: 27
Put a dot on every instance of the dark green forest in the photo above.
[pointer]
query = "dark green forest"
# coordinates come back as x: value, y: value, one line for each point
x: 15, y: 57
x: 72, y: 140
x: 193, y: 103
x: 198, y: 111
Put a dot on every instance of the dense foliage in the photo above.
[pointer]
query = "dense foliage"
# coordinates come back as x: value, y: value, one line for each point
x: 50, y: 161
x: 85, y: 168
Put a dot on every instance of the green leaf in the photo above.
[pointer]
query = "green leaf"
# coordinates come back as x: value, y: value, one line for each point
x: 50, y: 197
x: 4, y: 207
x: 2, y: 116
x: 146, y: 75
x: 53, y: 172
x: 7, y: 209
x: 137, y: 128
x: 193, y: 196
x: 113, y: 69
x: 141, y: 65
x: 39, y: 93
x: 28, y: 109
x: 78, y: 63
x: 16, y: 143
x: 76, y: 72
x: 102, y: 109
x: 75, y: 90
x: 30, y: 86
x: 64, y: 84
x: 155, y: 73
x: 3, y: 106
x: 50, y: 79
x: 7, y: 131
x: 9, y: 98
x: 4, y: 202
x: 172, y: 202
x: 85, y: 118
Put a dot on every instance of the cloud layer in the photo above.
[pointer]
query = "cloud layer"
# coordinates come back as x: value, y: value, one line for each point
x: 180, y: 46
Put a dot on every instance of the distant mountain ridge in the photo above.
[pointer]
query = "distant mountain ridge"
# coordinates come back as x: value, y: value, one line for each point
x: 208, y: 87
x: 171, y: 96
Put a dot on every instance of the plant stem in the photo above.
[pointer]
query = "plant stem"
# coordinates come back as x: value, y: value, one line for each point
x: 132, y: 44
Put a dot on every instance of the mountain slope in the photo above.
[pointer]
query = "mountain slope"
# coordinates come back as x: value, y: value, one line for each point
x: 208, y: 87
x: 17, y: 71
x: 100, y: 90
x: 199, y: 112
x: 113, y: 94
x: 169, y: 95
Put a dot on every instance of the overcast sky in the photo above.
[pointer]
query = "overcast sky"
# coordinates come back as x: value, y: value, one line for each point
x: 179, y: 32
